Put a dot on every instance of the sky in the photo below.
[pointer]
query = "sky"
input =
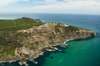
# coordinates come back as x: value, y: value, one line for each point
x: 50, y: 6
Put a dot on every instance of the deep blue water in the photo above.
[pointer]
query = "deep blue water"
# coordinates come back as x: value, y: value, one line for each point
x: 79, y: 53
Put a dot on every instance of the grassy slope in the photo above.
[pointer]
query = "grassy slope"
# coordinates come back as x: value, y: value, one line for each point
x: 22, y: 23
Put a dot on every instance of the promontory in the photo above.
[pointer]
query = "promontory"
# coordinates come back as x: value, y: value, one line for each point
x: 26, y: 39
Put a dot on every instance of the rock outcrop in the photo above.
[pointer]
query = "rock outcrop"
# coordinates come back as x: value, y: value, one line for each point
x: 34, y: 41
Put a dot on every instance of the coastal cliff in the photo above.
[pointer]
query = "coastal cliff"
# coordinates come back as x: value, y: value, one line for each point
x: 30, y: 43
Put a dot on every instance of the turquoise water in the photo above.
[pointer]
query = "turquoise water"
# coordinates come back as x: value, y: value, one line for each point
x: 79, y: 53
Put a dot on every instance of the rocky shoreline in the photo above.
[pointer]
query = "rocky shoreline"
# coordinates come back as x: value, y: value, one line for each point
x: 35, y: 41
x: 41, y: 54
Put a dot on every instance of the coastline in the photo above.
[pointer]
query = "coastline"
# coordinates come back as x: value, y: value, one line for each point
x: 51, y: 35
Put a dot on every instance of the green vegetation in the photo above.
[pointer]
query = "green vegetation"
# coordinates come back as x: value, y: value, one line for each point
x: 21, y: 23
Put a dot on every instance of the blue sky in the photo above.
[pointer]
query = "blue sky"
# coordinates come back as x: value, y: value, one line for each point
x: 50, y: 6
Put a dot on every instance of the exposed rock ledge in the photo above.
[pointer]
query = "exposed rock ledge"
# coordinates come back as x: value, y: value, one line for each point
x: 35, y: 41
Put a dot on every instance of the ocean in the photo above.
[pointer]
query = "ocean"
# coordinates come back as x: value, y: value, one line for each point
x: 79, y: 53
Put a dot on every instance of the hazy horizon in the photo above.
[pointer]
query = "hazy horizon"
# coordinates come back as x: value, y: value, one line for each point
x: 52, y: 15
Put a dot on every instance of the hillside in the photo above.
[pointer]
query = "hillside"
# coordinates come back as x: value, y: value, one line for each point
x: 26, y: 38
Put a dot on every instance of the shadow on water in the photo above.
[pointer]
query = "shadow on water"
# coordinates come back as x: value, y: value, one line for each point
x: 10, y: 64
x: 98, y: 34
x: 41, y: 59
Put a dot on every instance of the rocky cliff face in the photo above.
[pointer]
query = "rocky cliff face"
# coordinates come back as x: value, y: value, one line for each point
x: 33, y: 42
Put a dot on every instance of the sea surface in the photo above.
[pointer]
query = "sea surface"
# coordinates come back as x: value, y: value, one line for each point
x: 79, y: 53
